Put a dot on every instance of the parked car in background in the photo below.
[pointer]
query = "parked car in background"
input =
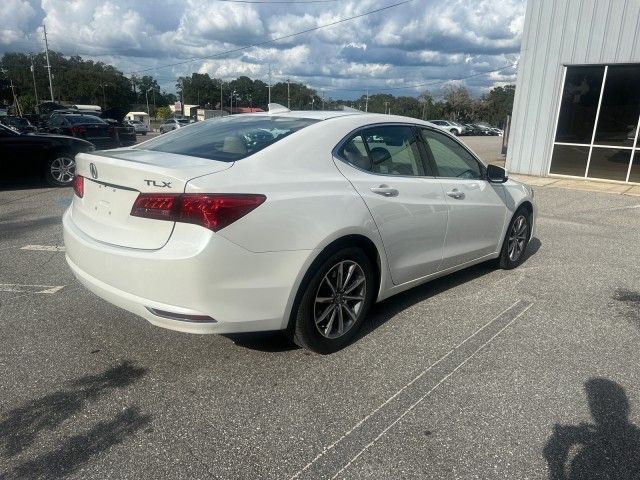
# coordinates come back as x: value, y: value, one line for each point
x: 173, y: 124
x: 496, y: 131
x: 87, y: 127
x: 140, y: 127
x: 450, y: 126
x: 20, y: 124
x: 293, y: 221
x: 125, y: 134
x: 50, y: 156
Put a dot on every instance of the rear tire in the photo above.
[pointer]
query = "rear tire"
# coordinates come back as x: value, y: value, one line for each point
x: 336, y: 298
x: 516, y: 240
x: 60, y: 169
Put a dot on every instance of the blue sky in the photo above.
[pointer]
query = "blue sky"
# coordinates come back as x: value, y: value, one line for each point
x: 422, y: 42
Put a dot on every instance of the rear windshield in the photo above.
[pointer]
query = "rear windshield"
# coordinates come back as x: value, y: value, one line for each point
x: 83, y: 119
x: 227, y: 139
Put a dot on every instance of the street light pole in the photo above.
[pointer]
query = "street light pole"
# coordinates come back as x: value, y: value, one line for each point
x: 288, y: 96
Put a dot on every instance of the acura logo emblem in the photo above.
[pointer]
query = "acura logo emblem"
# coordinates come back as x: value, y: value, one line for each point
x: 94, y: 170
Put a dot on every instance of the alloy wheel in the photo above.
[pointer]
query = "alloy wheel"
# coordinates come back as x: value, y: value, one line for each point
x: 517, y: 238
x: 63, y: 169
x: 340, y: 299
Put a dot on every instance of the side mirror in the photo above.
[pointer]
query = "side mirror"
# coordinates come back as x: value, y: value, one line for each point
x: 496, y: 174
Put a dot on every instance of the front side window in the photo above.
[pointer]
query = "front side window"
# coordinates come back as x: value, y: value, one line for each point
x: 450, y: 158
x: 386, y: 150
x: 228, y: 139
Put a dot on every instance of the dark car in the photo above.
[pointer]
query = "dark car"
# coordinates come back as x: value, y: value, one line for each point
x: 18, y: 123
x: 125, y: 134
x: 50, y: 155
x: 87, y: 127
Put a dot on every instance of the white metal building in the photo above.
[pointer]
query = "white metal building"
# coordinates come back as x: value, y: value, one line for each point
x: 577, y: 104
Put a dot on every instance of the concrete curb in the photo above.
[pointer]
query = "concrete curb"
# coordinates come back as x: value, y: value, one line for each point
x: 586, y: 185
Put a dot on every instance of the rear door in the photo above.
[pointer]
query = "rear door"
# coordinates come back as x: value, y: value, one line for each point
x: 407, y: 203
x: 477, y: 209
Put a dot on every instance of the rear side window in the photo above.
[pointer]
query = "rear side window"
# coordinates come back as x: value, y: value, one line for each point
x: 84, y: 119
x: 386, y: 150
x: 227, y: 139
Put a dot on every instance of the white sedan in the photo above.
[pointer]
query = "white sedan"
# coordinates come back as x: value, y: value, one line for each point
x: 294, y: 221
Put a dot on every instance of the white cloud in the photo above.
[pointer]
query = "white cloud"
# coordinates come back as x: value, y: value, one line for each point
x: 421, y: 42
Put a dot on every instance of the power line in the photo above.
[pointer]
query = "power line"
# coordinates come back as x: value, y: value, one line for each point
x: 301, y: 2
x: 273, y: 40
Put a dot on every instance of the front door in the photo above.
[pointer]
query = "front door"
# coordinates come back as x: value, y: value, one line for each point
x: 477, y: 208
x: 406, y: 201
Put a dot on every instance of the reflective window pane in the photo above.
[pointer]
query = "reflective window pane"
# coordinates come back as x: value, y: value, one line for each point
x: 635, y: 169
x: 452, y: 160
x: 609, y: 163
x: 620, y: 106
x: 569, y: 160
x: 579, y: 104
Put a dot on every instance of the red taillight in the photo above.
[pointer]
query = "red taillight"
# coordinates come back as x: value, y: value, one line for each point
x: 78, y: 185
x: 211, y: 210
x: 78, y: 129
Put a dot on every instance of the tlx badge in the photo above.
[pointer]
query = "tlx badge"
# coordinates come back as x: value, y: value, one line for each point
x: 160, y: 184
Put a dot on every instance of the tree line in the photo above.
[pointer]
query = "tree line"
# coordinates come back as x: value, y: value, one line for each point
x: 87, y: 82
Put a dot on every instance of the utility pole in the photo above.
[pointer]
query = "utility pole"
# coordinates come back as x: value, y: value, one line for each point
x: 15, y: 99
x: 288, y: 96
x: 146, y: 94
x: 386, y: 107
x: 366, y: 102
x: 322, y: 99
x: 33, y: 75
x: 269, y: 86
x: 46, y: 47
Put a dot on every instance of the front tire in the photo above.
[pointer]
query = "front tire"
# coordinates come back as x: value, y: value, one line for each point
x: 335, y: 301
x: 454, y: 132
x: 60, y: 169
x: 516, y: 240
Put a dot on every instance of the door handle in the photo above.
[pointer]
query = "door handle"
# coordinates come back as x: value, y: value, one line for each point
x: 385, y: 191
x: 455, y: 193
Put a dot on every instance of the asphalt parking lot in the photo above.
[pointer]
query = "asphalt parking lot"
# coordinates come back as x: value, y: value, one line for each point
x: 483, y: 374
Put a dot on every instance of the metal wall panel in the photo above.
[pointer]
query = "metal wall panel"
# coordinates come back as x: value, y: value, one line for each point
x: 558, y: 33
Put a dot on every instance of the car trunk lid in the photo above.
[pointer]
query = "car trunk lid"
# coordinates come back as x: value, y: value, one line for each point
x: 112, y: 182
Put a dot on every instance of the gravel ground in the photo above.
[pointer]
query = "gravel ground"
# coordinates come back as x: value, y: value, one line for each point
x: 483, y: 374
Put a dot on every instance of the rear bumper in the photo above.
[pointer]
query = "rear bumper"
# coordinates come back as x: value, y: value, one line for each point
x: 196, y: 273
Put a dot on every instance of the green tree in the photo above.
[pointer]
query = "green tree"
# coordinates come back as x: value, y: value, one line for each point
x: 497, y: 104
x: 164, y: 113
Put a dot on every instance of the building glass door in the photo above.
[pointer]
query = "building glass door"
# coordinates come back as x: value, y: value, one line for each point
x: 597, y: 132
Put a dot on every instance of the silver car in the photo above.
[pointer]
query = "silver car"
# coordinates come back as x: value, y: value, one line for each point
x: 140, y: 127
x: 173, y: 123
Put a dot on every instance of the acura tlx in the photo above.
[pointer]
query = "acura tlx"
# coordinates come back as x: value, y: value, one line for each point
x: 293, y: 221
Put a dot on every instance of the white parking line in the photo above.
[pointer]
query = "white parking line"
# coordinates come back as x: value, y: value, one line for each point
x: 44, y: 248
x: 16, y: 287
x: 523, y: 307
x: 444, y: 379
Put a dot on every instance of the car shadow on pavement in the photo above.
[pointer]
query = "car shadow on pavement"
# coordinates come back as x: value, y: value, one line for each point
x: 608, y: 448
x: 383, y: 311
x: 20, y: 427
x: 29, y: 183
x: 386, y: 310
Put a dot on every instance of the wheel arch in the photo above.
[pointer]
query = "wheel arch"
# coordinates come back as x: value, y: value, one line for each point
x: 374, y: 252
